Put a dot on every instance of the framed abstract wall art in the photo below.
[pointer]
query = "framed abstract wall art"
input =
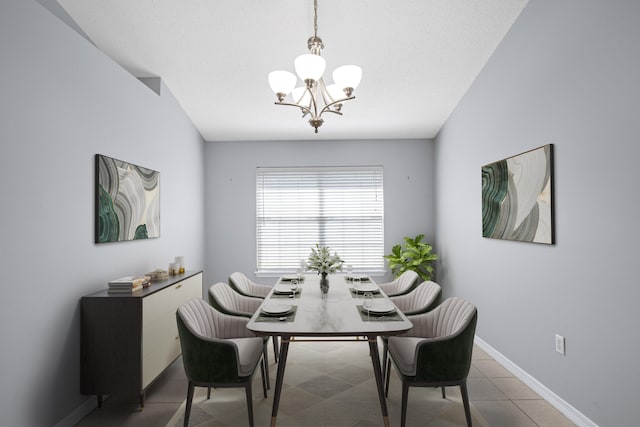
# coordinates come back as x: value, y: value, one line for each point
x: 127, y: 201
x: 517, y: 197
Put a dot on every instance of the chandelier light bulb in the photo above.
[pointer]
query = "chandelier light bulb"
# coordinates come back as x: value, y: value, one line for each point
x: 282, y: 82
x: 335, y: 92
x: 310, y: 66
x: 347, y: 76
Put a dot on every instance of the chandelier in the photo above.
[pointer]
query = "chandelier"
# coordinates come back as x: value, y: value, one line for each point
x: 315, y: 97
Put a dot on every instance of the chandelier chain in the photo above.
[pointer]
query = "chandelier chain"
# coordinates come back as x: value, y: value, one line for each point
x: 315, y: 18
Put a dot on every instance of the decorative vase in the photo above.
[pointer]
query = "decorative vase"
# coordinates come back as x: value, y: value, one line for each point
x: 324, y: 283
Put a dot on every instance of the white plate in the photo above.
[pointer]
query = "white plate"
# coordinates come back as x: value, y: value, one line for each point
x: 381, y: 307
x: 367, y: 287
x: 362, y: 278
x: 288, y: 278
x: 282, y: 289
x: 276, y: 308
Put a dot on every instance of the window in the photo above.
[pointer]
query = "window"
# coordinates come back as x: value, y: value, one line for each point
x: 341, y: 207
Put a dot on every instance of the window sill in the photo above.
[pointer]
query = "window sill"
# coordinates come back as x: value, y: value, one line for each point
x: 372, y: 273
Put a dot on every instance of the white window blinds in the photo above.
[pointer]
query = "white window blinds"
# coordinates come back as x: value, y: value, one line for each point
x: 341, y: 207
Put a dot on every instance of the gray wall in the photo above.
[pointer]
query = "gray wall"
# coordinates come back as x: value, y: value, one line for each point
x: 61, y: 102
x: 230, y: 188
x: 567, y: 74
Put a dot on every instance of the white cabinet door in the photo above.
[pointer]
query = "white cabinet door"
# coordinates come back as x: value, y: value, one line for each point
x: 160, y: 341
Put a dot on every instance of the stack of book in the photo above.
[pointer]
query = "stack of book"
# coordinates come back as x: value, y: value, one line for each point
x: 129, y: 284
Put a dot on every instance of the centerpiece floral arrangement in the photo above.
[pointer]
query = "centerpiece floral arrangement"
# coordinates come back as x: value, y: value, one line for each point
x: 323, y: 262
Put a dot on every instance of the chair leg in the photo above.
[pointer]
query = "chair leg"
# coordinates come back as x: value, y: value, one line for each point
x: 264, y: 379
x: 385, y: 352
x: 276, y: 350
x: 405, y: 397
x: 465, y: 402
x: 187, y: 407
x: 444, y: 395
x: 249, y: 403
x: 208, y: 393
x: 265, y: 361
x: 387, y: 378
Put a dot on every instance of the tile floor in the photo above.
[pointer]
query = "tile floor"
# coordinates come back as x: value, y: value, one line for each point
x: 331, y: 384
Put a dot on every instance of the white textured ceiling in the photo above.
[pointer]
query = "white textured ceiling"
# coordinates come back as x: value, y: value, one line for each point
x: 418, y: 58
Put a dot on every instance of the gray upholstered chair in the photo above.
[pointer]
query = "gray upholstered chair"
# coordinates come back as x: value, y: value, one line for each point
x: 226, y: 300
x: 422, y: 299
x: 243, y: 285
x: 217, y: 351
x: 436, y: 352
x: 401, y: 285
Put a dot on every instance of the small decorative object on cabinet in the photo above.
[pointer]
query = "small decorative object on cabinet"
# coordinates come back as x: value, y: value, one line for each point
x: 128, y: 340
x: 158, y: 275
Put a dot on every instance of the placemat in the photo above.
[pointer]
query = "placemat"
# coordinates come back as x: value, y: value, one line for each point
x: 359, y: 294
x: 285, y: 318
x: 362, y: 279
x: 291, y: 279
x: 286, y: 296
x: 378, y: 317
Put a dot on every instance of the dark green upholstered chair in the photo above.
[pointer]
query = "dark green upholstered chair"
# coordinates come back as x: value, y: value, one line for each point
x: 422, y: 299
x: 226, y: 300
x: 436, y: 352
x: 404, y: 284
x: 217, y: 351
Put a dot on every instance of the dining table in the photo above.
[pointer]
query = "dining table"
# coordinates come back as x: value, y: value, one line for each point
x: 297, y: 309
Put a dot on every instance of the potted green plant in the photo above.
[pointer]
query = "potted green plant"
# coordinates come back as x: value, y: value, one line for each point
x: 414, y: 255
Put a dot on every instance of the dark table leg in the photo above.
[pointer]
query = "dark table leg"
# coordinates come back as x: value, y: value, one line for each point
x: 377, y: 371
x: 284, y: 349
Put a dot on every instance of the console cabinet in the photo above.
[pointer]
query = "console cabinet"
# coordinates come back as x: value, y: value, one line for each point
x: 128, y: 340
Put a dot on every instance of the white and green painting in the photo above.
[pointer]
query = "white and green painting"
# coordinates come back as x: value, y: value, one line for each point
x: 517, y: 201
x: 127, y: 201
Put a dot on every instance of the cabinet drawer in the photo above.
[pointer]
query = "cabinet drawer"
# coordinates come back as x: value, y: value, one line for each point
x: 169, y: 299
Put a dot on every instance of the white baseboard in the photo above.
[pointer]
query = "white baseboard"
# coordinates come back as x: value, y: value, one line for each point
x: 79, y: 413
x: 556, y: 401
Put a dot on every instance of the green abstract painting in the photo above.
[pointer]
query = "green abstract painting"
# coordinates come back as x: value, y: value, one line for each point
x: 517, y: 197
x: 127, y: 201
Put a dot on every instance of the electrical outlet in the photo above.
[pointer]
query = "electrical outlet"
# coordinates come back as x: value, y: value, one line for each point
x: 560, y: 344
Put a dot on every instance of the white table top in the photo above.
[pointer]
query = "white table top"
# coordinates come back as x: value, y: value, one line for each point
x: 335, y: 315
